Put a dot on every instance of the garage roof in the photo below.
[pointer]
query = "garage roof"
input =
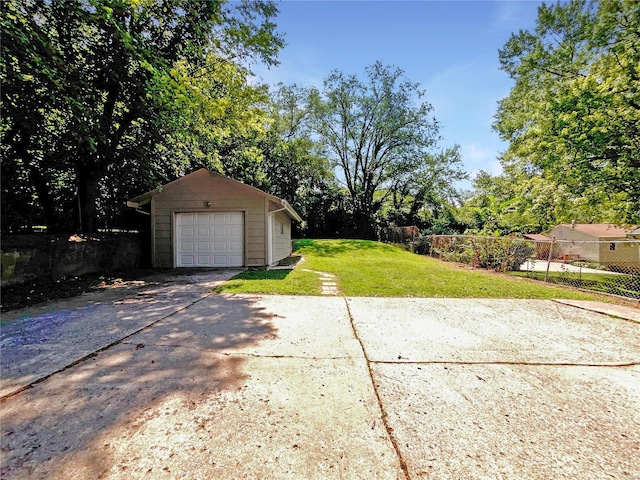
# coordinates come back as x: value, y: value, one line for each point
x: 145, y: 198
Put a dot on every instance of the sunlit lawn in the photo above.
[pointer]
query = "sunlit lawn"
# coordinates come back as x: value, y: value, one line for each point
x: 373, y: 269
x: 617, y: 284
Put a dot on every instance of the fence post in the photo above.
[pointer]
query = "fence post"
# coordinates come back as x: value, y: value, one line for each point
x: 546, y: 275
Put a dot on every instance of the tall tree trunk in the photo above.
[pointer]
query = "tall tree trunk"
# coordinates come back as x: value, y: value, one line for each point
x: 88, y: 179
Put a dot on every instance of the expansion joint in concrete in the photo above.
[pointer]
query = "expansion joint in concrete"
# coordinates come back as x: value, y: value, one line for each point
x: 524, y: 364
x: 383, y: 413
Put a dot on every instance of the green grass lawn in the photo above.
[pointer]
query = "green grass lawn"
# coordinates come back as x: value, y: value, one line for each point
x: 373, y: 269
x: 623, y: 285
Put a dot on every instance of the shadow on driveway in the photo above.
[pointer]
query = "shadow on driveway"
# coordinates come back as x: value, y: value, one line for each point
x: 170, y: 366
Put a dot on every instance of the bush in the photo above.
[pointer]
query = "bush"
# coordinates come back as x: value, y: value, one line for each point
x: 494, y: 253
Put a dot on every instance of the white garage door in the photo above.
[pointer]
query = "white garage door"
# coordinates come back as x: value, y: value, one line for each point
x: 213, y: 239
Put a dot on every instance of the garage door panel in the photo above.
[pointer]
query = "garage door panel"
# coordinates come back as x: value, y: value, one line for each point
x: 210, y: 239
x: 188, y: 260
x: 204, y: 260
x: 220, y: 246
x: 187, y: 246
x: 204, y: 246
x: 220, y: 260
x: 236, y: 218
x: 236, y: 259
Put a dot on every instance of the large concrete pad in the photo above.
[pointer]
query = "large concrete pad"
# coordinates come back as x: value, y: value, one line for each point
x: 244, y: 386
x: 482, y: 330
x: 36, y: 342
x: 305, y: 327
x: 513, y: 422
x: 232, y: 387
x: 505, y: 389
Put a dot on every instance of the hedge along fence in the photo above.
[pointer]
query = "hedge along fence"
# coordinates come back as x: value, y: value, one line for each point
x: 502, y: 254
x: 27, y: 258
x: 604, y: 266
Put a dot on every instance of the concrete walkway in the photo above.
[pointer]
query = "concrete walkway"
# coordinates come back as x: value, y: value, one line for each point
x: 328, y: 387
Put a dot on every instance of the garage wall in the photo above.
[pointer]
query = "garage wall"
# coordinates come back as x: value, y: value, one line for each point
x: 281, y: 236
x: 189, y: 194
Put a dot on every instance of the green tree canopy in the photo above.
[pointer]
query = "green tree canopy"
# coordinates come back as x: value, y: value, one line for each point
x: 92, y: 89
x: 573, y: 115
x: 377, y: 132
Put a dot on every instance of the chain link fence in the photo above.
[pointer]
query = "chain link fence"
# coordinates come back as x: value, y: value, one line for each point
x: 611, y: 267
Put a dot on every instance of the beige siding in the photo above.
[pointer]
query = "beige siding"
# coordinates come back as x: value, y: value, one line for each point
x: 189, y: 196
x: 623, y: 254
x: 281, y: 236
x: 584, y: 251
x: 596, y: 250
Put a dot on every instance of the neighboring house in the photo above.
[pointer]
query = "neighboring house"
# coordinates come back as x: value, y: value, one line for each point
x: 635, y: 234
x: 205, y: 219
x: 542, y: 242
x: 604, y: 243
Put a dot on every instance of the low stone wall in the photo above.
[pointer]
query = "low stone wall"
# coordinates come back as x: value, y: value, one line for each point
x: 28, y: 258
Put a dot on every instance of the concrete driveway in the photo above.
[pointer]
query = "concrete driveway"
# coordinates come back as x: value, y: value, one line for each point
x: 327, y: 387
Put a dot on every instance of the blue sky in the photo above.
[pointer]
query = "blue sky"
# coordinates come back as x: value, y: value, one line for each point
x: 449, y: 47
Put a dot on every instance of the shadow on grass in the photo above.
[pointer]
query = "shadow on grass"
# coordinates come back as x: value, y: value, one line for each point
x: 263, y: 275
x: 331, y: 248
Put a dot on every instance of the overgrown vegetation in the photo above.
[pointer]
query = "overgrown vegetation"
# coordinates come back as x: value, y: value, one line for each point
x: 493, y: 253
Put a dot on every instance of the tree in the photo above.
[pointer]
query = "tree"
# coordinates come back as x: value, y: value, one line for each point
x: 574, y: 112
x: 293, y: 162
x: 429, y: 192
x: 87, y: 85
x: 376, y: 133
x: 529, y: 202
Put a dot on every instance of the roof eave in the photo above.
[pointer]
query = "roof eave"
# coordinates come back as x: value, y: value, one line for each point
x: 290, y: 210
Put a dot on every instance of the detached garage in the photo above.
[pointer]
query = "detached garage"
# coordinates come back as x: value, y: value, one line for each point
x: 205, y: 219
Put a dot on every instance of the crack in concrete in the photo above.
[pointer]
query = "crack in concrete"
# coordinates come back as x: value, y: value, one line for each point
x: 383, y: 412
x: 524, y: 364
